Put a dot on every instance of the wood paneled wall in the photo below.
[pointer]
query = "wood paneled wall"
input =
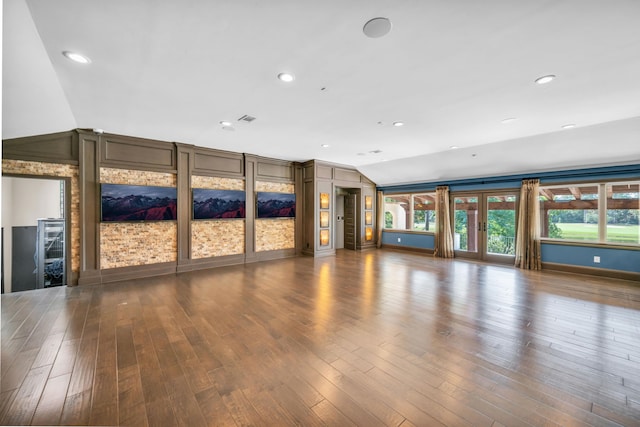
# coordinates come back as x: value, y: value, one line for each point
x: 96, y: 154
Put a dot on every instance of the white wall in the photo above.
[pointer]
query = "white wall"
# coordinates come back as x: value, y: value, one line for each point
x: 24, y: 201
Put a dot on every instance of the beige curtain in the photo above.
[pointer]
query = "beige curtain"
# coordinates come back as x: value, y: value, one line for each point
x: 528, y: 233
x: 379, y: 217
x: 444, y: 236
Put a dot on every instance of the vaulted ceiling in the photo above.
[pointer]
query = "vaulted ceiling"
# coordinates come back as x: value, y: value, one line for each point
x: 451, y: 71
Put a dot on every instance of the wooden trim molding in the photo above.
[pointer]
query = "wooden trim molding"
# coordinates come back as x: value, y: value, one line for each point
x: 407, y: 249
x: 602, y: 272
x: 137, y: 272
x: 206, y: 263
x: 271, y: 255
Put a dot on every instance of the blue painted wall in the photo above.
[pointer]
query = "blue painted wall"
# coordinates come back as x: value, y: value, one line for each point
x: 610, y: 258
x: 421, y: 241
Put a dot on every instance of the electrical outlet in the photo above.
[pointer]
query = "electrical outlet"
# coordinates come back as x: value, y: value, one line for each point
x: 596, y: 259
x: 399, y: 240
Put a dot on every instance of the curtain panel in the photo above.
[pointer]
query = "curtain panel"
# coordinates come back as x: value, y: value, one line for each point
x: 444, y: 236
x: 528, y: 254
x: 379, y: 217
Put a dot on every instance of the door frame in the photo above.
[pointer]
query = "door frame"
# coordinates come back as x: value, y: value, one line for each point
x: 67, y: 217
x: 481, y: 253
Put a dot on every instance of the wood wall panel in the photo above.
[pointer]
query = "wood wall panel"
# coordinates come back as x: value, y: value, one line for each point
x: 137, y: 154
x: 324, y: 172
x: 270, y: 170
x: 52, y: 148
x: 218, y: 163
x: 346, y: 175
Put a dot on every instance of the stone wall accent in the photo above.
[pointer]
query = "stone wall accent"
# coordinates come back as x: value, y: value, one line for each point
x: 214, y: 238
x: 21, y: 167
x: 216, y: 183
x: 135, y: 177
x: 125, y: 244
x: 274, y: 234
x: 275, y: 187
x: 128, y: 244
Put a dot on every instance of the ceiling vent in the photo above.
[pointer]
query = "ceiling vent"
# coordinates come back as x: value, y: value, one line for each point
x: 246, y: 118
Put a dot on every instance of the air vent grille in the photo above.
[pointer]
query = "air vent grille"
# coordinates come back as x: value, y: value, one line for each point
x: 246, y: 118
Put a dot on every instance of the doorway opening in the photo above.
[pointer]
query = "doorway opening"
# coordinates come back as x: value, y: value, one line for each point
x: 35, y: 230
x: 346, y: 218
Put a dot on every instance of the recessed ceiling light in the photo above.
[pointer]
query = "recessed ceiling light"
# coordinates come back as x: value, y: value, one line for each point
x: 377, y: 27
x: 569, y: 126
x: 325, y: 146
x: 508, y: 120
x: 286, y: 77
x: 76, y: 57
x: 398, y: 124
x: 225, y: 123
x: 454, y: 147
x: 545, y: 79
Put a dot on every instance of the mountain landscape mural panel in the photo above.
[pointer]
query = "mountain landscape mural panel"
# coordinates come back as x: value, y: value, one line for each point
x: 218, y: 204
x: 276, y: 205
x: 138, y: 203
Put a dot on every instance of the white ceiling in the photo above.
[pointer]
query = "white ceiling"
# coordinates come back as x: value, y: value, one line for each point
x: 451, y: 70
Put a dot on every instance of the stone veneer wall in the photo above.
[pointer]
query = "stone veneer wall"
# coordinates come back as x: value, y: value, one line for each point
x: 125, y: 244
x: 21, y: 167
x: 219, y: 237
x: 275, y: 233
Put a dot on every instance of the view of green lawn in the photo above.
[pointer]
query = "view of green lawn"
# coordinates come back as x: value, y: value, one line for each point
x: 615, y: 233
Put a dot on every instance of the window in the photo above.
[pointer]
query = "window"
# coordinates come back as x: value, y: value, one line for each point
x: 623, y: 211
x: 606, y: 212
x: 415, y: 212
x: 424, y: 212
x: 569, y: 212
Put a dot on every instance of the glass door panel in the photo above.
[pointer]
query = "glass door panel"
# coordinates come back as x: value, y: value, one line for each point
x: 465, y: 223
x: 500, y: 224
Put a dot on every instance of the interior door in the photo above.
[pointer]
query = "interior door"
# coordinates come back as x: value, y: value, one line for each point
x: 350, y: 221
x: 484, y: 225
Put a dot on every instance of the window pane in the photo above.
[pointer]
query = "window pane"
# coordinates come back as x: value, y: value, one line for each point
x: 623, y: 207
x: 424, y: 212
x: 396, y: 211
x: 569, y: 213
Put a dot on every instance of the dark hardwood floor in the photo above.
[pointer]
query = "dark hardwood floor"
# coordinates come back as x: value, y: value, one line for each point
x: 368, y: 339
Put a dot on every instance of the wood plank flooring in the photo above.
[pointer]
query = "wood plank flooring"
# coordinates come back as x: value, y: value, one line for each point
x: 376, y: 338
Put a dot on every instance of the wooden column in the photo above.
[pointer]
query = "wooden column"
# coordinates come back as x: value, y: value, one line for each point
x: 185, y: 166
x: 89, y: 187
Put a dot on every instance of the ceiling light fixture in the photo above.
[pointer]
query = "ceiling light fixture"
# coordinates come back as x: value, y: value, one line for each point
x: 225, y: 123
x: 398, y: 124
x: 569, y: 126
x: 325, y: 146
x: 454, y: 147
x: 286, y: 77
x: 508, y: 120
x: 377, y: 27
x: 545, y: 79
x: 76, y: 57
